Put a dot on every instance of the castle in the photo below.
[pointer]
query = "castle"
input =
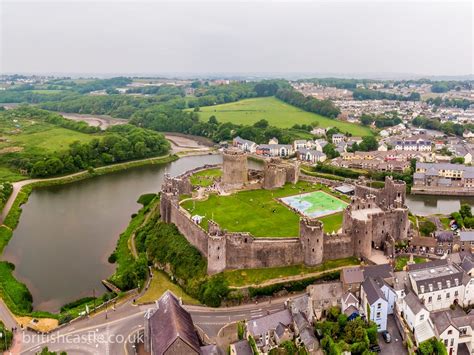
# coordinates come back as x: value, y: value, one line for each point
x: 375, y: 218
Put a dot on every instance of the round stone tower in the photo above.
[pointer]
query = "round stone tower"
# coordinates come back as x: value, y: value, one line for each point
x: 312, y: 240
x: 234, y: 168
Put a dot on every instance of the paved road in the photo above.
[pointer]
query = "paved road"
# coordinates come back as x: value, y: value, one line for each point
x: 396, y: 347
x: 106, y: 334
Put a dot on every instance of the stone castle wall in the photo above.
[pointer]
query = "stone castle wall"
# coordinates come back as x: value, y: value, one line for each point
x: 226, y: 250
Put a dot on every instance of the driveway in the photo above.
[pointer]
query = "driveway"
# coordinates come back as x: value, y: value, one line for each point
x: 396, y: 347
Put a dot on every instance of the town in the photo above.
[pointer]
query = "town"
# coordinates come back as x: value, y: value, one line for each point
x: 236, y: 177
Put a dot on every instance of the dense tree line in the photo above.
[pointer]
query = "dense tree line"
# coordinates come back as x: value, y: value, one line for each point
x: 449, y: 128
x: 102, y: 84
x: 121, y: 106
x: 459, y: 103
x: 307, y: 103
x: 366, y: 94
x: 166, y: 119
x: 31, y: 97
x: 157, y: 90
x: 388, y: 119
x: 49, y: 117
x: 118, y: 144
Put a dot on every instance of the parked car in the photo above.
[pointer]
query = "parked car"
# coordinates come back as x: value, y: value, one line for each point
x: 386, y: 336
x: 375, y: 348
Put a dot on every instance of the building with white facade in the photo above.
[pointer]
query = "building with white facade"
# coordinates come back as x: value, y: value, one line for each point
x: 437, y: 284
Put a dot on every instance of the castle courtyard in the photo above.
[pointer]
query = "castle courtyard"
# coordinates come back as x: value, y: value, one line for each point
x: 260, y: 212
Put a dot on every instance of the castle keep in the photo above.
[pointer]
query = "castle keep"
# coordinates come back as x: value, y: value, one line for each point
x: 375, y: 218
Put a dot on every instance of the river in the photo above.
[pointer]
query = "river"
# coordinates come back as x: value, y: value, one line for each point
x: 66, y: 233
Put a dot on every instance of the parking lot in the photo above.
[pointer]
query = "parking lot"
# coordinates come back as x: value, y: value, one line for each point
x: 395, y: 347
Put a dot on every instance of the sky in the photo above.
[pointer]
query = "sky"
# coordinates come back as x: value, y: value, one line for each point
x: 156, y: 37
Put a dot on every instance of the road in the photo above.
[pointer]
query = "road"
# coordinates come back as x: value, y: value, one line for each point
x: 106, y: 333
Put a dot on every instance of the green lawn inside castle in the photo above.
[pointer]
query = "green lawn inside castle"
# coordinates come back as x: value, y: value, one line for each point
x: 261, y: 212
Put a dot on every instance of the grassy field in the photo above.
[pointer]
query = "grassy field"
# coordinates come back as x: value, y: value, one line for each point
x: 160, y: 283
x: 26, y: 137
x: 277, y: 113
x: 402, y: 261
x: 238, y: 278
x: 332, y: 223
x: 246, y: 211
x: 206, y: 177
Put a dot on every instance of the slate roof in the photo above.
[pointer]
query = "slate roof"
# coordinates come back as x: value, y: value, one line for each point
x: 444, y: 236
x: 384, y: 271
x: 427, y: 265
x: 467, y: 236
x: 210, y: 350
x: 467, y: 264
x: 262, y: 325
x: 372, y: 290
x: 169, y: 322
x: 308, y: 338
x: 353, y: 275
x: 349, y: 297
x: 414, y: 303
x: 242, y: 348
x: 437, y: 277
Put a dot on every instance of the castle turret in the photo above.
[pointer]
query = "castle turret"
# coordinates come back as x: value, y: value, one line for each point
x: 234, y: 168
x: 216, y: 249
x: 312, y: 240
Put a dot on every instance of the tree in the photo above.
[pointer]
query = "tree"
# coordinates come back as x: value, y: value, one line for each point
x: 427, y: 227
x: 330, y: 151
x: 368, y: 144
x: 261, y: 124
x: 432, y: 347
x: 465, y: 211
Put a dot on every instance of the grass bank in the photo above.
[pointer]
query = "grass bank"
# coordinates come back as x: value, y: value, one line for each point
x: 238, y: 278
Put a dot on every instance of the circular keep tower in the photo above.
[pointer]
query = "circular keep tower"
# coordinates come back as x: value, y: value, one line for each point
x: 234, y: 168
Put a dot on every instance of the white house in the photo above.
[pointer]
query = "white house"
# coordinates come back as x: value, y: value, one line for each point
x: 417, y: 317
x: 310, y: 155
x: 454, y: 330
x: 374, y: 303
x: 437, y: 284
x: 319, y: 144
x: 349, y: 304
x: 338, y: 138
x: 244, y: 144
x: 318, y: 131
x: 468, y: 281
x: 418, y: 145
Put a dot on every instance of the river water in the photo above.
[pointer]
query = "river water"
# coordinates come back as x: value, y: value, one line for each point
x: 66, y: 233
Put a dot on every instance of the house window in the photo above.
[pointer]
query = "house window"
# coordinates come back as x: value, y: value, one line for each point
x: 379, y: 305
x: 452, y: 342
x: 378, y: 315
x: 439, y: 298
x: 448, y: 295
x: 446, y: 342
x: 450, y: 332
x: 430, y: 299
x: 422, y: 317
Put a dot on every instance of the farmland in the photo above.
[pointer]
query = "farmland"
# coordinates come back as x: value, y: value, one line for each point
x: 277, y: 113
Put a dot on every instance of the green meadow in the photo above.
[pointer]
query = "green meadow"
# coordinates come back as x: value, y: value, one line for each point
x: 277, y: 113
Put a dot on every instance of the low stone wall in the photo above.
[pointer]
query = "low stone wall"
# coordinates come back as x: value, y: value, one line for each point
x: 441, y: 191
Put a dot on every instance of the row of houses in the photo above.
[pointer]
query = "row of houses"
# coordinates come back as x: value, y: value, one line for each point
x: 445, y: 176
x: 424, y: 298
x: 310, y: 151
x: 444, y: 242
